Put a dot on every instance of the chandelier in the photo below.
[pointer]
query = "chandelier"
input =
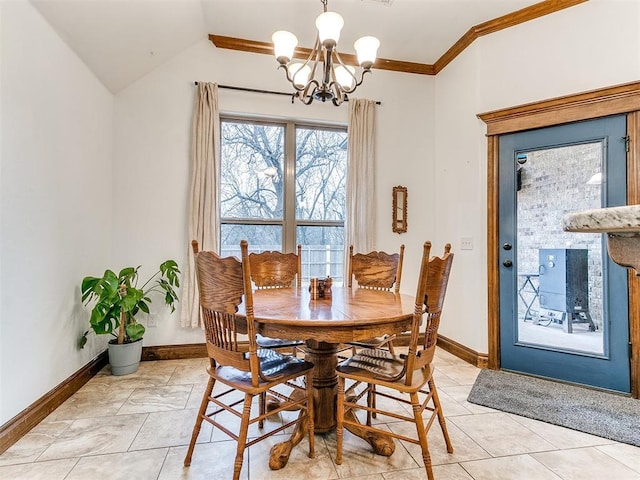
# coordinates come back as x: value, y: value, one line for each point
x: 334, y: 79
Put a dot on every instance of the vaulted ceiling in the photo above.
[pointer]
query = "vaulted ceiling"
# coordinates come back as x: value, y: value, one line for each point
x: 122, y: 40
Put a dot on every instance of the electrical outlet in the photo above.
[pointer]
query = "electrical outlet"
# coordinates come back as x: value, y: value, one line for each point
x: 152, y: 321
x: 466, y: 243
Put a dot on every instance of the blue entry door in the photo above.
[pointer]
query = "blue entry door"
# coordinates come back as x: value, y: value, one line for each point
x: 563, y: 302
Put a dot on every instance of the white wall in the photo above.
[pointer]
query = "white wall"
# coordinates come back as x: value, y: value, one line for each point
x: 55, y: 204
x: 153, y: 121
x: 588, y: 46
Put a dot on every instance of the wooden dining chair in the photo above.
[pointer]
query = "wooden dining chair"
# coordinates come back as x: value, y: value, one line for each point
x: 272, y: 269
x: 379, y: 271
x: 241, y: 366
x: 401, y: 375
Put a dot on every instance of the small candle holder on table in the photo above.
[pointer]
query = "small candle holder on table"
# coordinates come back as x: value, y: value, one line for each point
x: 320, y: 288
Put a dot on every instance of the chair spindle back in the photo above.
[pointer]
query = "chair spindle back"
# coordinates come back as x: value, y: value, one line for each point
x: 272, y: 269
x: 376, y: 270
x: 222, y: 283
x: 432, y: 287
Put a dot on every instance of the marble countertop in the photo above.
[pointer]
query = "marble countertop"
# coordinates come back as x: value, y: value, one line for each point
x: 617, y: 220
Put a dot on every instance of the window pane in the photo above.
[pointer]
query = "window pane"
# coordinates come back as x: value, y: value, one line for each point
x: 260, y: 238
x: 252, y: 163
x: 322, y: 252
x: 321, y: 163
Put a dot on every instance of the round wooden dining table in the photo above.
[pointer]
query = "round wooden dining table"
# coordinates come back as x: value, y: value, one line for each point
x: 348, y: 314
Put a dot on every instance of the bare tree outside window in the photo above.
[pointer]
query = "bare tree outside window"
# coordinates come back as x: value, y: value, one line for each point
x: 255, y: 191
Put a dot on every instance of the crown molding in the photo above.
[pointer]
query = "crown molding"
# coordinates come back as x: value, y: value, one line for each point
x: 253, y: 46
x: 501, y: 23
x: 532, y: 12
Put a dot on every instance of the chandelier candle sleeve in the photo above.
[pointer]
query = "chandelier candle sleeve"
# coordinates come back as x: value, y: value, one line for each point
x: 323, y: 75
x: 284, y: 45
x: 329, y: 25
x: 300, y: 73
x: 366, y: 49
x: 345, y: 76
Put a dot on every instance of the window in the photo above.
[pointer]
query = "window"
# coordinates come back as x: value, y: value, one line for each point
x: 284, y: 184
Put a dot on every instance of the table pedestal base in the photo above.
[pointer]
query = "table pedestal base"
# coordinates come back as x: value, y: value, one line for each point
x: 279, y: 455
x: 325, y: 389
x: 382, y: 444
x: 325, y: 383
x: 280, y: 452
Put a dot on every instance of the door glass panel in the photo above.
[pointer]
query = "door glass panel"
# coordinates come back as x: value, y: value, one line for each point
x: 560, y: 274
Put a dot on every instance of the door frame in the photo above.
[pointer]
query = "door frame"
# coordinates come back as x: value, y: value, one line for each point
x: 618, y: 99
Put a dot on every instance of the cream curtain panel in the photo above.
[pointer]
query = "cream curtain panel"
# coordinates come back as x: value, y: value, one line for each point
x: 361, y: 219
x: 203, y: 197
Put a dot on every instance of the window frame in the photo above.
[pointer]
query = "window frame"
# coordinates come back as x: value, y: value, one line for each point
x: 289, y: 222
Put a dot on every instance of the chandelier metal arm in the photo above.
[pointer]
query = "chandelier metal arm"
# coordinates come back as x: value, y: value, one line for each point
x: 310, y: 89
x: 318, y: 51
x: 338, y: 96
x: 306, y: 99
x: 357, y: 82
x: 286, y: 72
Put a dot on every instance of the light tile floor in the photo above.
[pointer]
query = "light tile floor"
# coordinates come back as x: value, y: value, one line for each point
x: 137, y: 427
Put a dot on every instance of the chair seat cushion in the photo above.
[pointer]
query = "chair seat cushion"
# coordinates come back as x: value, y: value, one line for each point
x: 272, y: 364
x: 268, y: 342
x: 381, y: 367
x: 374, y: 361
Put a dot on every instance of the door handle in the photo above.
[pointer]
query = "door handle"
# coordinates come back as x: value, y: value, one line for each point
x: 507, y: 263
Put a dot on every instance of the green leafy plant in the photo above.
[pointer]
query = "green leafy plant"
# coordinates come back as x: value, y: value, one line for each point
x: 116, y: 300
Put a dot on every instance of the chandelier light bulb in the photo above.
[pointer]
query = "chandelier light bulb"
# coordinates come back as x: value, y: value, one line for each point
x: 300, y: 74
x: 366, y: 49
x: 345, y: 76
x: 284, y: 44
x: 329, y: 25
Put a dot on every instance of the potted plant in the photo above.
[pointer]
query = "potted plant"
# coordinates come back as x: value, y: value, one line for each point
x: 116, y: 300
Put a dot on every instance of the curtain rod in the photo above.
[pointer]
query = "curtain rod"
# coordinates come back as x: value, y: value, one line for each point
x: 270, y: 92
